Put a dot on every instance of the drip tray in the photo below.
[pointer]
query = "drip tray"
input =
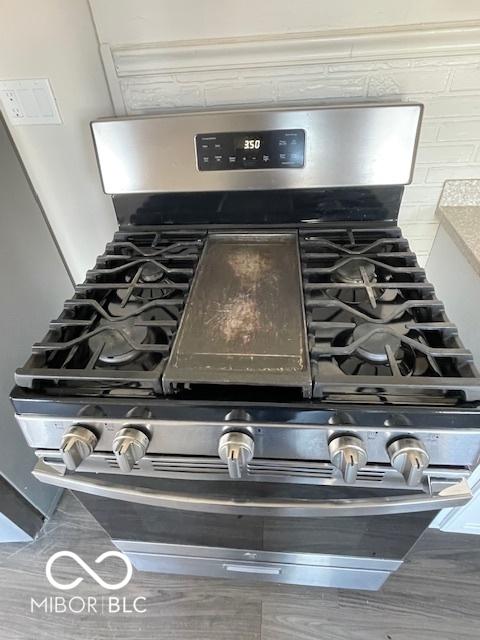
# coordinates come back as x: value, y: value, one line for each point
x: 244, y: 321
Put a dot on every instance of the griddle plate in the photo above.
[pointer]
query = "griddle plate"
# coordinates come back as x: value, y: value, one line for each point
x: 244, y: 320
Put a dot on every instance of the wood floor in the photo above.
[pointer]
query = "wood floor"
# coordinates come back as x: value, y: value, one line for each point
x: 434, y: 596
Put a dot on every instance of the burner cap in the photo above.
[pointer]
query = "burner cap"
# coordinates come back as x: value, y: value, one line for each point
x: 116, y: 350
x: 151, y: 272
x: 373, y: 349
x: 349, y: 272
x: 121, y: 294
x: 117, y: 309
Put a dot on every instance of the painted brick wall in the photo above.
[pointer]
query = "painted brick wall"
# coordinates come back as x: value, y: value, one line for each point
x: 448, y: 86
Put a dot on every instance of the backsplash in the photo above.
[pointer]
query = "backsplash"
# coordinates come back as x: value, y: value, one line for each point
x: 438, y: 67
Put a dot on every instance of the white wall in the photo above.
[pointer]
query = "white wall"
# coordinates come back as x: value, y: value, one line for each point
x: 56, y: 39
x: 143, y: 21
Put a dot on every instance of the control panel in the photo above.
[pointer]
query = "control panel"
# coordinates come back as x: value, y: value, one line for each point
x: 280, y: 149
x: 326, y: 146
x: 352, y: 449
x: 348, y: 453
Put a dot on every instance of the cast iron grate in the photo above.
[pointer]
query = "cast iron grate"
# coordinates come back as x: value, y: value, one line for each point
x: 116, y: 332
x: 377, y: 333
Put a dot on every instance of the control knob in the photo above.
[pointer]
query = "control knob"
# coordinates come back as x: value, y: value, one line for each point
x: 236, y: 449
x: 410, y: 458
x: 76, y: 445
x: 129, y: 446
x: 348, y: 454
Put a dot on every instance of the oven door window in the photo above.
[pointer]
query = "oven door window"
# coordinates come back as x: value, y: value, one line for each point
x: 385, y: 536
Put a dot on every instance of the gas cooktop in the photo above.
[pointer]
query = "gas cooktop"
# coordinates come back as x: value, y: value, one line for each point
x: 376, y: 331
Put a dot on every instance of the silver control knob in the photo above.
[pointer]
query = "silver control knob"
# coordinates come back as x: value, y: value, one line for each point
x: 409, y: 456
x: 76, y: 445
x: 348, y: 454
x: 236, y: 449
x: 129, y: 446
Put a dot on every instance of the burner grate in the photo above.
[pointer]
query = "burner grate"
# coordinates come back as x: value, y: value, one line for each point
x: 377, y: 333
x: 117, y: 331
x: 376, y: 329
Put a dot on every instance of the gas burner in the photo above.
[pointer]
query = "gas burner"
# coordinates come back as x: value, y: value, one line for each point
x: 123, y: 308
x: 112, y: 342
x: 149, y: 273
x: 362, y: 286
x: 355, y: 271
x: 376, y: 343
x: 122, y: 295
x: 152, y: 272
x: 381, y: 352
x: 358, y: 276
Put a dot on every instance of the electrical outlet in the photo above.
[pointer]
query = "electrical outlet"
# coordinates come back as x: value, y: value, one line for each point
x: 29, y: 102
x: 11, y: 104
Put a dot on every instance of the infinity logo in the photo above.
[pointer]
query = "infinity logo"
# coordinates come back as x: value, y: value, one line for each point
x: 71, y: 585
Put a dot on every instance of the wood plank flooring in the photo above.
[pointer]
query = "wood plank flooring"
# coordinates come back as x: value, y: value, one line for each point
x: 435, y: 595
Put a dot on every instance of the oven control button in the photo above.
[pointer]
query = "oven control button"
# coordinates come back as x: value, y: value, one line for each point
x: 76, y: 445
x: 409, y: 456
x: 129, y: 446
x: 348, y: 454
x: 236, y: 449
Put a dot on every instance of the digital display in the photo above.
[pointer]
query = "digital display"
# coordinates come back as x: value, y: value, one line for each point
x: 249, y: 143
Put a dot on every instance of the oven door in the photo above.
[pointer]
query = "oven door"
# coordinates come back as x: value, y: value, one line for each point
x: 345, y: 537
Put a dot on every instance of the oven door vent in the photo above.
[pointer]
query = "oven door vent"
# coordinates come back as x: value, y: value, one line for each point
x: 259, y: 469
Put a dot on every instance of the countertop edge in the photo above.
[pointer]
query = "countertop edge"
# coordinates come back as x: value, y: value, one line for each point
x: 472, y: 254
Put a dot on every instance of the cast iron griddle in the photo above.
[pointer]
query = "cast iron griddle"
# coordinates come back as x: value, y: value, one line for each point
x: 244, y: 320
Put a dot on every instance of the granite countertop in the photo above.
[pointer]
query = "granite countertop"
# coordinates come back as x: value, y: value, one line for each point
x: 459, y: 212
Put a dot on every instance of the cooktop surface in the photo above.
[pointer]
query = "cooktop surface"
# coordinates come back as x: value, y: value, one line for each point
x: 376, y: 332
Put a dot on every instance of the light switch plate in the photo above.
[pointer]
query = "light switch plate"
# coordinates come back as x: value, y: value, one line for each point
x: 29, y: 102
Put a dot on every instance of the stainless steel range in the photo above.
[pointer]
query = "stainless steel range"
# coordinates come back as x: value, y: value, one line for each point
x: 256, y: 380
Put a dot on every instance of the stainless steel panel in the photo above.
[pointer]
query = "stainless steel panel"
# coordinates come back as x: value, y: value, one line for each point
x: 349, y: 145
x: 244, y: 319
x: 260, y: 470
x: 315, y: 576
x: 387, y: 537
x: 249, y: 555
x: 456, y: 446
x: 193, y: 499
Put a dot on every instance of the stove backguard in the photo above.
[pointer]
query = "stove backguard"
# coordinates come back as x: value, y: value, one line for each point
x: 283, y: 208
x: 206, y: 169
x: 360, y: 145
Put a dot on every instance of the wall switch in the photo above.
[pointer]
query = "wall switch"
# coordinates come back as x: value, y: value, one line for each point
x: 29, y: 102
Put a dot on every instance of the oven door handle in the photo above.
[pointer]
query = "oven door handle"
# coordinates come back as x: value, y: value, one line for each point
x: 451, y: 496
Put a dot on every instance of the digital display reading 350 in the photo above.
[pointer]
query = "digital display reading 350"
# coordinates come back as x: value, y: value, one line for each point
x: 248, y: 144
